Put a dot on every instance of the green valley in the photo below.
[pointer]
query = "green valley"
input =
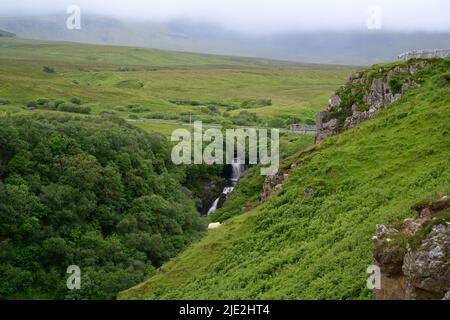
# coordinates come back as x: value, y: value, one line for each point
x: 312, y: 238
x: 82, y: 183
x: 159, y: 85
x: 86, y: 176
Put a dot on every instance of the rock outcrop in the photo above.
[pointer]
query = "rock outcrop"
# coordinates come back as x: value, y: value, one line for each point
x: 365, y: 94
x: 271, y: 184
x: 414, y: 258
x: 425, y: 54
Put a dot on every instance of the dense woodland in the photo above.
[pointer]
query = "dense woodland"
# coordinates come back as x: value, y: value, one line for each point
x: 92, y: 192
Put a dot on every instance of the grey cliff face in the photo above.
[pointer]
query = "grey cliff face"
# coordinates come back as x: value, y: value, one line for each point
x: 364, y: 95
x: 419, y: 270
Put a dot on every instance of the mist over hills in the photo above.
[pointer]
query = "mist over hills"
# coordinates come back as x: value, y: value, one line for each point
x: 334, y: 47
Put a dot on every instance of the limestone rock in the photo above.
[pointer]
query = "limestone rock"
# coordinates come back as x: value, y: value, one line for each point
x: 271, y: 184
x: 428, y: 268
x: 334, y: 102
x: 376, y: 94
x: 419, y: 271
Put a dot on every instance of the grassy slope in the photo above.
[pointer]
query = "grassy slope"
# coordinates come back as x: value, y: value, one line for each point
x: 319, y: 247
x: 91, y: 73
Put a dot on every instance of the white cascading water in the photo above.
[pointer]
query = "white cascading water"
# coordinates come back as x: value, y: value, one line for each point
x: 214, y: 206
x: 236, y: 172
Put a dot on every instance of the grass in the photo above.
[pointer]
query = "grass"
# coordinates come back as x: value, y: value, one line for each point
x: 319, y: 247
x: 112, y: 78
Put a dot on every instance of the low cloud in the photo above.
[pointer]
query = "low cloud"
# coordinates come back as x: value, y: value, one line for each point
x: 258, y: 16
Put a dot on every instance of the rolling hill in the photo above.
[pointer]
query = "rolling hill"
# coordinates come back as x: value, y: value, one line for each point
x: 348, y: 47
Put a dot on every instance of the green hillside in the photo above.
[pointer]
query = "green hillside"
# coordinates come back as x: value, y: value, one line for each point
x: 296, y: 246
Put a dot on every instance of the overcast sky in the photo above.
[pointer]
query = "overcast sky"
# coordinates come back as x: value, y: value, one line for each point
x: 258, y: 16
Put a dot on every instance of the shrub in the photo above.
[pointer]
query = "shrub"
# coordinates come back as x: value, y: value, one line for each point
x: 4, y: 102
x: 48, y: 69
x: 154, y: 116
x: 256, y: 103
x: 276, y: 123
x: 396, y: 86
x: 310, y: 122
x: 125, y: 69
x: 59, y: 102
x: 32, y: 104
x: 51, y: 105
x: 187, y: 102
x: 133, y: 117
x: 67, y: 107
x: 136, y: 108
x: 42, y: 101
x: 75, y: 101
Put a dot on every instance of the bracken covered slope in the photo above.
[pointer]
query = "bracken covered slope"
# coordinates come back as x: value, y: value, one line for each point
x: 317, y: 244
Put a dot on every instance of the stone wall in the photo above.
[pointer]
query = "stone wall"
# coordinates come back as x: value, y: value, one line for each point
x: 425, y: 54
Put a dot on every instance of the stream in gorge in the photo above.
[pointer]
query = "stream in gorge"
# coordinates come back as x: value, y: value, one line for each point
x: 233, y: 174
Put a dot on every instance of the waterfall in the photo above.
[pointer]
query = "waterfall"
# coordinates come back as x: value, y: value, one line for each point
x: 236, y: 172
x: 214, y: 206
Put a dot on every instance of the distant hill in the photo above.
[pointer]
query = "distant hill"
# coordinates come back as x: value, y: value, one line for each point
x: 6, y: 34
x: 342, y: 47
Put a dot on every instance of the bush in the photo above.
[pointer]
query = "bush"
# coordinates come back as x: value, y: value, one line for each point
x: 276, y: 123
x: 4, y: 102
x: 59, y: 102
x: 396, y: 86
x: 49, y: 69
x: 42, y: 101
x: 245, y: 118
x: 187, y: 102
x: 136, y: 108
x: 75, y: 101
x: 133, y: 117
x: 256, y: 103
x: 67, y: 107
x: 32, y: 104
x: 120, y: 109
x: 125, y: 69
